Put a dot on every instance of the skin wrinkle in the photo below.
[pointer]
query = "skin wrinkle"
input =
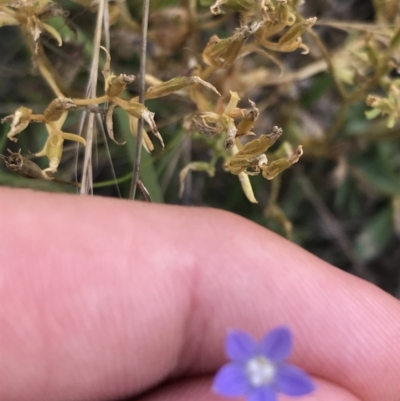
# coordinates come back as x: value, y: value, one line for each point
x: 364, y: 358
x: 159, y: 296
x: 348, y: 356
x: 22, y: 331
x: 185, y: 279
x: 62, y: 331
x: 78, y: 332
x: 156, y: 294
x: 71, y: 293
x: 198, y: 320
x: 237, y: 284
x: 193, y: 323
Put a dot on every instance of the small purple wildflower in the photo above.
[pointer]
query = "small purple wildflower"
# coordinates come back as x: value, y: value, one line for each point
x: 258, y: 370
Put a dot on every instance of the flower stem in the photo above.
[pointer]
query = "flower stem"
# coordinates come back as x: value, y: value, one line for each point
x: 136, y: 164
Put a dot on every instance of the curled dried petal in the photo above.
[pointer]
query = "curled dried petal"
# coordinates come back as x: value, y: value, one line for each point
x: 205, y: 129
x: 53, y: 150
x: 146, y: 141
x: 305, y: 48
x: 19, y: 121
x: 6, y: 19
x: 73, y: 137
x: 284, y: 15
x: 247, y: 188
x: 233, y: 101
x: 53, y: 33
x: 215, y: 8
x: 138, y: 110
x: 106, y: 68
x: 149, y: 117
x: 234, y: 5
x: 110, y: 126
x: 194, y: 166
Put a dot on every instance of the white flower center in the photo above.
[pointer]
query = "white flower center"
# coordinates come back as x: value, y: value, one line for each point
x: 260, y: 371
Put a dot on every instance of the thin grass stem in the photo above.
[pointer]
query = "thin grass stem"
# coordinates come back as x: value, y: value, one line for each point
x: 142, y: 81
x: 87, y: 176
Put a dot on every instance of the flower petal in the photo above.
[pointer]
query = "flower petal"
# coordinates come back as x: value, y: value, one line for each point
x: 262, y: 393
x: 231, y: 380
x: 277, y: 344
x: 293, y: 381
x: 240, y: 346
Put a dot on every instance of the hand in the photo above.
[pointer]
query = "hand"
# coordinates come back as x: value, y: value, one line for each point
x: 101, y: 299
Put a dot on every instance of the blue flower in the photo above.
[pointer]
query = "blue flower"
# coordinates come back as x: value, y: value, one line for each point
x: 258, y: 370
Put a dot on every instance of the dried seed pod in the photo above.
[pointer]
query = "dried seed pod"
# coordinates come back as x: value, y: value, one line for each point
x: 291, y: 40
x: 176, y: 84
x: 230, y: 128
x: 19, y: 164
x: 116, y: 85
x: 138, y: 110
x: 276, y: 167
x: 297, y: 30
x: 222, y: 53
x: 57, y: 107
x: 252, y: 154
x: 250, y: 117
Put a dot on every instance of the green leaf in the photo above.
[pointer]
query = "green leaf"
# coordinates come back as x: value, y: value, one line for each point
x: 377, y: 176
x: 319, y: 87
x: 148, y: 173
x: 375, y: 236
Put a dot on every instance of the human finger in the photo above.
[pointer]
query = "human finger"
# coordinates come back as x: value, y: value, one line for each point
x: 110, y: 297
x: 198, y: 389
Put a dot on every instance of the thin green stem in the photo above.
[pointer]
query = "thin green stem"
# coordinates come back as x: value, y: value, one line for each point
x: 331, y: 67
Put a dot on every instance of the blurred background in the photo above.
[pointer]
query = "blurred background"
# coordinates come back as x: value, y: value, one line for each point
x: 341, y: 201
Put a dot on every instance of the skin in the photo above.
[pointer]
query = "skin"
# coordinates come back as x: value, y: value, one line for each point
x: 102, y: 299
